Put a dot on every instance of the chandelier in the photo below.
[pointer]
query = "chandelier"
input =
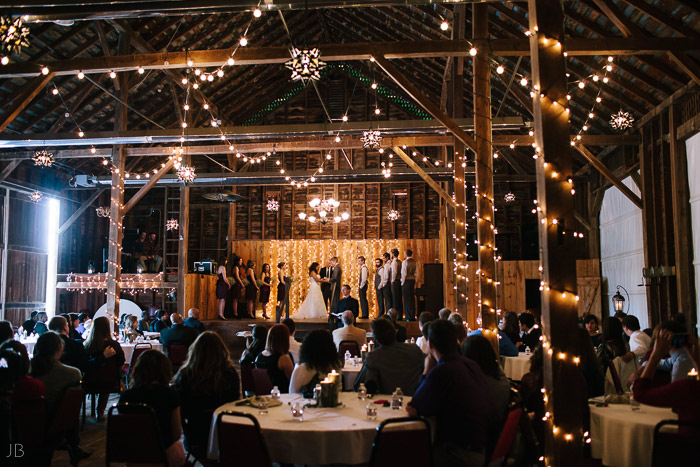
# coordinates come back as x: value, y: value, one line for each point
x: 35, y: 196
x: 393, y: 215
x: 386, y: 169
x: 13, y: 36
x: 43, y: 158
x: 324, y: 209
x: 172, y: 224
x: 371, y: 139
x: 305, y: 64
x: 103, y: 211
x: 185, y: 173
x: 273, y: 205
x: 621, y: 120
x: 509, y: 197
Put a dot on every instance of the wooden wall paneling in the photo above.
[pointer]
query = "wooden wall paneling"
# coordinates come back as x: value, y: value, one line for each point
x: 588, y: 287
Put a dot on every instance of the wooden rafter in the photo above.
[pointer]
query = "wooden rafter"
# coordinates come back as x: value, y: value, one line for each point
x: 88, y: 202
x: 428, y: 179
x: 9, y: 168
x: 29, y: 92
x: 147, y: 187
x: 595, y: 162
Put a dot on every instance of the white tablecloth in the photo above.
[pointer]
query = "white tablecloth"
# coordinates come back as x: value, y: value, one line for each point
x: 29, y: 343
x: 350, y: 374
x: 340, y: 435
x: 129, y: 349
x: 516, y: 367
x: 621, y: 437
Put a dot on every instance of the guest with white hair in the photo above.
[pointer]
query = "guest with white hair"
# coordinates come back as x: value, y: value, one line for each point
x: 193, y: 321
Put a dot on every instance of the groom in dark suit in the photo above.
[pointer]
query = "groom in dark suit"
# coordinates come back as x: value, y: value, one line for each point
x: 335, y: 281
x: 326, y: 287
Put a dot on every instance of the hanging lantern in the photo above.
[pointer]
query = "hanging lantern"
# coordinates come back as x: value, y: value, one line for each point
x: 305, y: 64
x: 139, y: 269
x: 393, y: 215
x: 621, y: 120
x: 91, y: 267
x: 371, y: 139
x: 13, y: 36
x: 273, y: 205
x: 618, y: 300
x: 509, y: 197
x: 185, y: 173
x: 172, y: 224
x: 43, y: 158
x: 35, y: 196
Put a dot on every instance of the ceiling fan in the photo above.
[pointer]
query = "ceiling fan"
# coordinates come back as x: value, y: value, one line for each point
x: 226, y: 196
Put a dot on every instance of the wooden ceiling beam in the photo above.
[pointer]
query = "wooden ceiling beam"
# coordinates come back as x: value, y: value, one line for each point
x: 427, y: 178
x: 662, y: 17
x: 595, y: 162
x: 29, y: 92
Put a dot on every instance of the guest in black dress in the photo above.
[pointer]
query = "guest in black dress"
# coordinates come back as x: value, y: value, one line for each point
x: 265, y: 288
x: 251, y: 290
x: 237, y: 286
x: 222, y: 286
x: 281, y: 290
x: 275, y: 358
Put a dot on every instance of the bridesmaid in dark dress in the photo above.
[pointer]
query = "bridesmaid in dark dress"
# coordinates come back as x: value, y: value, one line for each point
x: 222, y: 286
x: 281, y: 290
x: 265, y: 288
x: 237, y: 287
x: 251, y: 290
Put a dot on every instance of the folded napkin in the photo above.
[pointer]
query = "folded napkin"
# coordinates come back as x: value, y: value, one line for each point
x: 253, y: 401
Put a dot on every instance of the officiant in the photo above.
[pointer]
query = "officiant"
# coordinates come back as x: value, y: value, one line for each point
x: 345, y: 304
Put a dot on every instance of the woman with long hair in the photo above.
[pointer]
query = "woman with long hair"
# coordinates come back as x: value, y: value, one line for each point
x: 317, y: 357
x: 275, y: 358
x: 314, y: 307
x: 479, y: 349
x: 99, y: 339
x: 511, y: 326
x: 222, y: 286
x: 266, y: 277
x: 256, y: 346
x: 251, y: 290
x: 150, y: 385
x: 131, y: 324
x: 237, y: 286
x: 206, y: 381
x: 281, y: 290
x: 611, y: 343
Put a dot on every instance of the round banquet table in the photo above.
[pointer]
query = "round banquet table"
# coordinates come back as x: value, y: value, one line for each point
x: 340, y: 435
x: 29, y: 342
x: 623, y: 437
x: 350, y: 374
x: 129, y: 348
x: 516, y: 367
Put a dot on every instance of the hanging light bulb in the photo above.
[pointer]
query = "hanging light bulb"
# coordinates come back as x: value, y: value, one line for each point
x: 243, y: 41
x: 257, y: 13
x: 444, y: 25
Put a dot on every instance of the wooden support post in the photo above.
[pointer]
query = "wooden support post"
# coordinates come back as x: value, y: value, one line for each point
x: 147, y: 187
x: 484, y: 177
x: 88, y: 202
x: 433, y: 184
x: 558, y: 247
x: 182, y: 247
x: 595, y: 162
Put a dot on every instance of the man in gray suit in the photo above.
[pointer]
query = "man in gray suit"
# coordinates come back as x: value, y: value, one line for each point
x: 408, y: 286
x: 335, y: 280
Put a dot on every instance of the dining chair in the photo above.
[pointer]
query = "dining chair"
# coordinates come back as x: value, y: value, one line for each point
x: 247, y: 383
x: 351, y: 346
x: 28, y: 427
x: 104, y: 380
x: 505, y: 440
x: 65, y: 420
x: 402, y: 441
x: 178, y: 355
x: 240, y: 440
x: 133, y: 436
x: 261, y: 381
x: 138, y: 350
x: 679, y: 447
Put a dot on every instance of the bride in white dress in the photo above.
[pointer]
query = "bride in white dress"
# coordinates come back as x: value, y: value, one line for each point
x: 313, y: 306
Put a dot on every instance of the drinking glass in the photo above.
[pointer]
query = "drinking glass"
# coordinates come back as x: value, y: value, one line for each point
x: 298, y: 411
x: 263, y: 405
x: 371, y: 412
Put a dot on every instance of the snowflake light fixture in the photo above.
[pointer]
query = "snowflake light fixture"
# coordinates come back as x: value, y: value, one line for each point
x: 305, y: 64
x: 273, y: 205
x: 621, y: 120
x: 185, y: 173
x: 43, y: 158
x: 103, y: 211
x: 35, y: 196
x: 371, y: 139
x: 393, y: 215
x: 509, y: 197
x: 13, y: 36
x: 172, y: 224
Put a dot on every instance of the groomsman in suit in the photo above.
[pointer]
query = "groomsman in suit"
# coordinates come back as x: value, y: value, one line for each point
x: 362, y: 287
x: 396, y: 282
x: 336, y: 281
x: 386, y: 283
x: 326, y: 287
x: 378, y: 278
x: 408, y: 285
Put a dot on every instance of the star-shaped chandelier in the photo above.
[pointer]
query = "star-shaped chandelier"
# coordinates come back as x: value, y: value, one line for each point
x: 371, y: 139
x: 305, y: 64
x: 35, y: 196
x: 43, y: 158
x: 13, y: 36
x: 621, y: 120
x: 185, y: 173
x: 393, y: 215
x: 273, y: 205
x: 172, y: 224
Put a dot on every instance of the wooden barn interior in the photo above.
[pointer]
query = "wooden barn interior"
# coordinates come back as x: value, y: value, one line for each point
x: 534, y: 155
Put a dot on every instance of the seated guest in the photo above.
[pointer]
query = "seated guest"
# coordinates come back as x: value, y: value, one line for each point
x: 393, y: 313
x: 82, y: 318
x: 145, y: 321
x: 256, y: 346
x: 26, y: 387
x: 529, y: 332
x: 590, y: 321
x: 275, y: 358
x: 318, y: 357
x: 177, y: 334
x: 74, y: 353
x: 456, y: 319
x: 423, y: 319
x: 349, y: 332
x: 392, y: 364
x: 611, y: 343
x: 131, y: 325
x: 40, y: 326
x: 531, y: 391
x: 206, y: 381
x: 478, y: 349
x: 454, y: 390
x: 122, y: 320
x: 294, y: 345
x: 6, y: 331
x: 679, y: 363
x: 73, y: 323
x: 150, y: 385
x: 640, y: 343
x: 193, y: 321
x: 444, y: 313
x: 29, y: 324
x: 682, y: 394
x: 96, y: 344
x: 56, y: 377
x: 161, y: 322
x: 505, y: 346
x: 511, y: 326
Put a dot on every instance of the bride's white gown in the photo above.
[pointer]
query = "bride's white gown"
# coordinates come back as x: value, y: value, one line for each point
x: 313, y: 306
